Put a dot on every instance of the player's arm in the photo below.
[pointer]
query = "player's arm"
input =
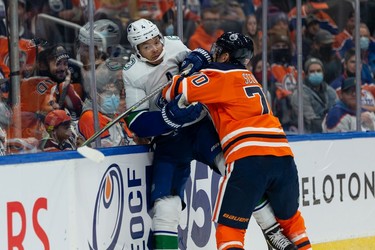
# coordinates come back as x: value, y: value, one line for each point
x: 172, y: 116
x: 195, y: 61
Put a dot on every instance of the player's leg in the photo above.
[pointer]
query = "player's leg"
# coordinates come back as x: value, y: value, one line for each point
x: 240, y: 190
x: 284, y: 196
x: 168, y: 186
x: 271, y: 229
x: 165, y: 220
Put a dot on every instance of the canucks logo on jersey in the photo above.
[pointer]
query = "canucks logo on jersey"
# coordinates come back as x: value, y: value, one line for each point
x: 129, y: 64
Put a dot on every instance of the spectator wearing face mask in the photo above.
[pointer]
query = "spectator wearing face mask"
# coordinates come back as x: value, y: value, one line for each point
x: 207, y: 31
x: 367, y: 45
x: 283, y: 77
x: 108, y: 99
x: 318, y: 96
x: 322, y: 49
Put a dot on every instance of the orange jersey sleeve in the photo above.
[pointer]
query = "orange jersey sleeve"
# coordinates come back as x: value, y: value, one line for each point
x: 239, y: 110
x: 86, y: 124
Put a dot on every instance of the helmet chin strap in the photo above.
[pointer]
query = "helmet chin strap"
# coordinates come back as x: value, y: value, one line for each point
x: 146, y: 60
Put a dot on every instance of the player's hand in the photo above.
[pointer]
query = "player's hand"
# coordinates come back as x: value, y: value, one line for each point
x: 195, y: 61
x: 178, y: 112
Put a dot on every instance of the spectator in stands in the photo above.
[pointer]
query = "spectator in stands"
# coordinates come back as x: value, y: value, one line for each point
x: 108, y: 99
x: 53, y: 63
x: 349, y: 70
x: 316, y: 8
x: 232, y: 17
x: 367, y: 46
x: 283, y: 77
x: 251, y: 29
x: 342, y: 116
x: 367, y: 86
x: 118, y: 9
x: 322, y: 49
x: 60, y: 135
x: 207, y: 31
x: 277, y: 19
x: 6, y: 114
x: 69, y: 10
x: 24, y: 31
x: 42, y: 94
x: 318, y: 96
x: 48, y: 91
x: 190, y: 19
x: 344, y: 40
x: 27, y: 56
x: 308, y: 36
x: 256, y: 67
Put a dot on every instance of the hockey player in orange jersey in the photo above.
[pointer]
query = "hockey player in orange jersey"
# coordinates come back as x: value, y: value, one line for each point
x: 259, y: 160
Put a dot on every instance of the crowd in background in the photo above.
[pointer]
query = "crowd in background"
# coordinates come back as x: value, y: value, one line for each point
x: 55, y: 66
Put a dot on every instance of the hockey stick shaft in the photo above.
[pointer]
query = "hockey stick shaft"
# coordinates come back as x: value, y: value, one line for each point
x: 129, y: 110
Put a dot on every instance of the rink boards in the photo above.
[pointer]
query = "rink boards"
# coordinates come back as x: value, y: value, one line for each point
x: 63, y: 201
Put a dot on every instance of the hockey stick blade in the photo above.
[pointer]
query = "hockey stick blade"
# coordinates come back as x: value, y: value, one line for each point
x: 91, y: 154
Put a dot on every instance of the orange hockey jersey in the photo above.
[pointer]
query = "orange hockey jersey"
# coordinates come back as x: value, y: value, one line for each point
x: 239, y: 110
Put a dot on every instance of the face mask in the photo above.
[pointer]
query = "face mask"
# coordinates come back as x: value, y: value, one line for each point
x: 281, y: 56
x: 259, y: 76
x: 350, y: 74
x: 326, y: 52
x: 315, y: 79
x: 364, y: 42
x: 169, y: 30
x: 211, y: 27
x: 110, y: 104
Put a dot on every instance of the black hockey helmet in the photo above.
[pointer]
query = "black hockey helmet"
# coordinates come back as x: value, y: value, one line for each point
x: 239, y: 47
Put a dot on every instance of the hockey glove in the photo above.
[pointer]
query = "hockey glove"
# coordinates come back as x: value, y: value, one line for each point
x: 176, y: 113
x: 195, y: 61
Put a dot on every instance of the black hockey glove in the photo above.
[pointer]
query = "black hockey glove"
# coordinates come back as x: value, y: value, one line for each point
x: 176, y: 113
x: 195, y: 61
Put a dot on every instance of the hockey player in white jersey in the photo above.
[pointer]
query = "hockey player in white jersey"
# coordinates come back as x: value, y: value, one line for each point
x: 180, y: 134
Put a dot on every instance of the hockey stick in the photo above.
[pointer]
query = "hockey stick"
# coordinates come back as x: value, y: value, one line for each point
x: 94, y: 154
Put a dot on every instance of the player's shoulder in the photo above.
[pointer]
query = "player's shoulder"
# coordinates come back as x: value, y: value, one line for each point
x: 131, y: 63
x: 172, y: 42
x: 133, y: 70
x: 173, y: 39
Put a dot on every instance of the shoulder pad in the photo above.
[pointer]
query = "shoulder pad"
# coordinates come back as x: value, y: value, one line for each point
x: 129, y: 64
x: 172, y: 37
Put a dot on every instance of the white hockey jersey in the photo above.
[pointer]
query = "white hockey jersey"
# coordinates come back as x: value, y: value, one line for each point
x: 142, y: 78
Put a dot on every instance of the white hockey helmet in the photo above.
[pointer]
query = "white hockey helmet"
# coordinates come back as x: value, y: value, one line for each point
x: 106, y: 34
x: 141, y: 31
